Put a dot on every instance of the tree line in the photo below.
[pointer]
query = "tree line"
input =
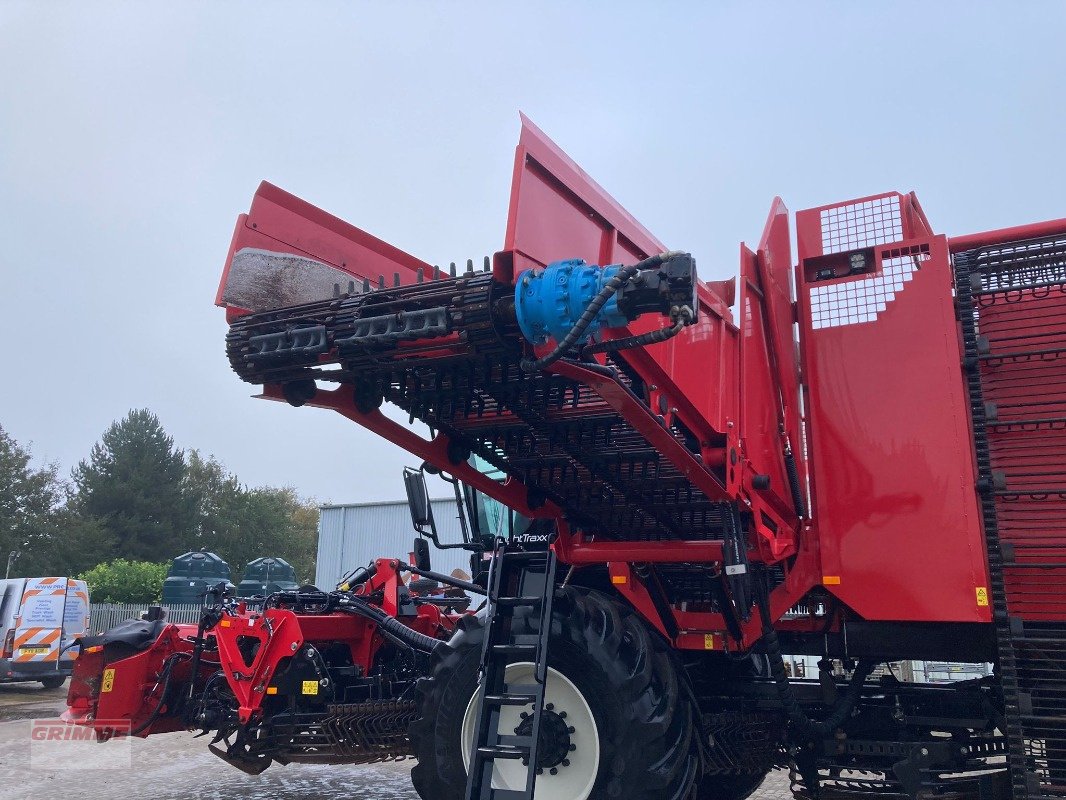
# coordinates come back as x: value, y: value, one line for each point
x: 140, y: 499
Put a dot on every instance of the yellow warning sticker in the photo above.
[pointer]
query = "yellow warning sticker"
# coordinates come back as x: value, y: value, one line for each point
x: 982, y: 596
x: 109, y: 681
x: 310, y: 687
x: 708, y: 641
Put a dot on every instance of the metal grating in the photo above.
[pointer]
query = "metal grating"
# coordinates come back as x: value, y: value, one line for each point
x: 851, y: 302
x: 1014, y: 329
x: 864, y: 224
x: 557, y: 436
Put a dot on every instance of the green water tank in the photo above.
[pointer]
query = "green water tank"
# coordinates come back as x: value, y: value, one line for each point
x: 266, y: 575
x: 191, y: 574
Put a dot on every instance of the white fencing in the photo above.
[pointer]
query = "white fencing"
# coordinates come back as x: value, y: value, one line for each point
x: 103, y: 616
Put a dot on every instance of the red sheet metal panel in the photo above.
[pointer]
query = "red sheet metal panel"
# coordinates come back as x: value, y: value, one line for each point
x: 774, y: 262
x: 760, y: 417
x: 557, y: 211
x: 286, y: 251
x: 892, y: 463
x: 770, y: 271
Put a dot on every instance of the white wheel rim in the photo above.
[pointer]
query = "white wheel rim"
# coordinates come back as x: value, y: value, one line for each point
x: 572, y: 782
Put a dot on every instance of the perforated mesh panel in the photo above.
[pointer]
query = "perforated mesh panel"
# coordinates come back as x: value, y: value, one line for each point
x: 863, y: 224
x: 850, y: 302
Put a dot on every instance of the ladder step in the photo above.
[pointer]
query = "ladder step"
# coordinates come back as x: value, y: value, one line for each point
x: 510, y: 699
x: 526, y: 556
x: 518, y: 602
x: 531, y: 689
x: 520, y: 742
x: 515, y: 649
x: 509, y: 590
x: 488, y: 753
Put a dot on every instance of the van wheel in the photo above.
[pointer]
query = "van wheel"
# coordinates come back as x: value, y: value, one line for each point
x: 54, y: 681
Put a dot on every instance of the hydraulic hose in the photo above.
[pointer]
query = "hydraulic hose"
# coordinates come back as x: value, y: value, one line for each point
x: 617, y: 281
x: 796, y: 715
x: 357, y: 576
x: 164, y: 679
x: 390, y: 626
x: 684, y: 317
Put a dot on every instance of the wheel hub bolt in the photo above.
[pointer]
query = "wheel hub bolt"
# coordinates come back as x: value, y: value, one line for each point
x: 554, y: 771
x: 566, y: 762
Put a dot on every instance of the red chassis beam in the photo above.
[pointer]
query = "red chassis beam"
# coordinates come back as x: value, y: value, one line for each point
x: 694, y: 630
x: 435, y: 450
x: 1017, y: 233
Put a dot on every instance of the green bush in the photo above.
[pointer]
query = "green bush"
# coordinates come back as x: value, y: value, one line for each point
x: 122, y: 581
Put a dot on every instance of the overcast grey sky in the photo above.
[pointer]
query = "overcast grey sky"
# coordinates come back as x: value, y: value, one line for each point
x: 132, y: 134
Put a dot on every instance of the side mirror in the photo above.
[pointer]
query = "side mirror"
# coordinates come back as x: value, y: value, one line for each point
x: 421, y: 551
x: 414, y: 481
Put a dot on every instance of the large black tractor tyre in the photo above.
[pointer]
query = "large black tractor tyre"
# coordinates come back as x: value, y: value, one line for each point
x: 627, y: 676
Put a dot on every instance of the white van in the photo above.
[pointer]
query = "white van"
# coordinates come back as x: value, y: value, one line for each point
x: 39, y: 619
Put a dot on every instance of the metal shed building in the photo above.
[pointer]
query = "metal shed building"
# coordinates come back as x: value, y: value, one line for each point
x: 351, y: 536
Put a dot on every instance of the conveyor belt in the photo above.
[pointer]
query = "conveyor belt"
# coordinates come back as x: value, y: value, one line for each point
x: 1012, y: 302
x: 438, y: 351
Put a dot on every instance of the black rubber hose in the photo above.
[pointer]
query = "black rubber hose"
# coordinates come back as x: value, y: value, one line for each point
x: 617, y: 281
x: 447, y: 580
x: 798, y: 500
x: 360, y: 575
x: 168, y: 668
x: 390, y: 626
x: 643, y: 339
x: 843, y: 708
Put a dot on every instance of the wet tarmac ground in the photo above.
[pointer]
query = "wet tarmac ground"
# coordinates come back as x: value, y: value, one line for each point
x: 177, y: 767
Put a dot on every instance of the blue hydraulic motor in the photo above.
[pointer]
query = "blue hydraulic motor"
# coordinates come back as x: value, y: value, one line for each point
x: 572, y: 301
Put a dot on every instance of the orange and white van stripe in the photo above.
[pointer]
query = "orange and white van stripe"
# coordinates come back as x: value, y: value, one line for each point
x: 36, y: 638
x: 49, y: 591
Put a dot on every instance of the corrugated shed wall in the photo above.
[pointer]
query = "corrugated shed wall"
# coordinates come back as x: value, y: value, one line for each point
x: 354, y: 535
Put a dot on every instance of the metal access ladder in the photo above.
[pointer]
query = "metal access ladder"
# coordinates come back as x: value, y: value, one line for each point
x: 518, y: 580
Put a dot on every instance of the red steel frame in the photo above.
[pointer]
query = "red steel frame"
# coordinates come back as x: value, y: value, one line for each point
x: 895, y: 533
x: 122, y: 702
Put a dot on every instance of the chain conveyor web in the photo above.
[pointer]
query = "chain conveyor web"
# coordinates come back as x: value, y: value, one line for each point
x: 1011, y: 302
x: 438, y: 354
